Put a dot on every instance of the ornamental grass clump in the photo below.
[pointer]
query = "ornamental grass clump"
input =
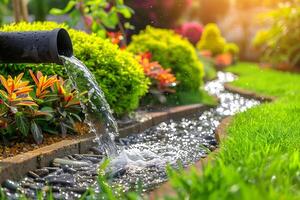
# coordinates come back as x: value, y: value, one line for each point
x: 49, y: 106
x: 171, y: 51
x: 117, y: 72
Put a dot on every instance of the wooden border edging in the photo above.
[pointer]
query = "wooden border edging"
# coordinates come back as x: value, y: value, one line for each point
x: 16, y: 167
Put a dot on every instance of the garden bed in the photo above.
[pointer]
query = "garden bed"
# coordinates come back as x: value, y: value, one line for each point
x: 17, y: 166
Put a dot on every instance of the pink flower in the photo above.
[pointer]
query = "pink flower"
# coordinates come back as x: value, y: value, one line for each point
x: 88, y: 20
x: 191, y: 30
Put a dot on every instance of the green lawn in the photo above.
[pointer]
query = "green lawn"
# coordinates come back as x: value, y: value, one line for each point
x: 260, y: 159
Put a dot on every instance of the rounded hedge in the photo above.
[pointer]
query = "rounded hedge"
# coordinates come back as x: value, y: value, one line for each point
x: 171, y: 51
x: 212, y: 40
x: 117, y: 72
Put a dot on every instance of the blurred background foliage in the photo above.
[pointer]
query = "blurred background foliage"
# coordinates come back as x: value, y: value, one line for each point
x: 236, y: 19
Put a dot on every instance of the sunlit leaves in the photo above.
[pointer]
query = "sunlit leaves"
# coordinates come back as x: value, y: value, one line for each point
x: 97, y: 15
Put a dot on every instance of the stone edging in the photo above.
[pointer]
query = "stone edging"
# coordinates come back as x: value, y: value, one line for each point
x: 16, y: 167
x: 248, y: 94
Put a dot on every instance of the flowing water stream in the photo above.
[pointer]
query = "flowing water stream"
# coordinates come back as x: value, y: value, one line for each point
x: 96, y: 108
x: 136, y: 158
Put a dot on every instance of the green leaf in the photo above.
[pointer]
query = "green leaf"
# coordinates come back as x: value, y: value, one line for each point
x: 76, y: 116
x: 22, y: 123
x: 69, y: 7
x: 111, y: 20
x: 56, y: 11
x: 36, y: 132
x: 125, y: 11
x: 47, y: 109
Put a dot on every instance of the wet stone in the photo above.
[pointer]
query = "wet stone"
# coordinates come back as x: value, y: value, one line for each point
x: 78, y: 190
x: 64, y: 180
x: 40, y: 180
x: 52, y: 169
x: 33, y: 175
x: 42, y: 172
x: 69, y: 170
x: 61, y: 161
x: 96, y: 151
x: 213, y: 143
x: 11, y: 185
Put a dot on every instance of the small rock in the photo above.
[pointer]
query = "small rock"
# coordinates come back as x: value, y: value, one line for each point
x: 73, y: 163
x: 96, y: 151
x: 77, y: 157
x: 40, y: 180
x: 64, y: 180
x: 117, y: 172
x: 11, y: 185
x: 209, y: 137
x: 92, y: 159
x: 77, y: 190
x: 46, y: 189
x: 93, y: 156
x: 52, y: 169
x: 71, y: 157
x: 212, y: 148
x: 42, y: 172
x: 213, y: 143
x: 55, y: 189
x: 69, y: 170
x: 31, y: 174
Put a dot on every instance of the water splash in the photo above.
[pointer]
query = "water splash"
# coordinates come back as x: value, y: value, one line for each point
x: 96, y: 108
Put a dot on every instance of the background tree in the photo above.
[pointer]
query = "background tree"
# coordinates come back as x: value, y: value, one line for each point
x: 20, y: 9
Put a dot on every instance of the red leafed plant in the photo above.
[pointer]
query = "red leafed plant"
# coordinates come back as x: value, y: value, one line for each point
x: 162, y: 80
x: 49, y: 106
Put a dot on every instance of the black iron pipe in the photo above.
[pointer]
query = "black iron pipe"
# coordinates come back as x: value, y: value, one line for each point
x: 35, y: 46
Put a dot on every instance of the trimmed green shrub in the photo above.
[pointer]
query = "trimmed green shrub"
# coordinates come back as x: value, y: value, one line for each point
x: 212, y: 40
x: 118, y: 73
x: 232, y: 48
x: 171, y: 51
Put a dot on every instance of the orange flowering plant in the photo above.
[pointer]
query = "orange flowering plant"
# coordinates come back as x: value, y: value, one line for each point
x: 162, y: 80
x: 49, y: 106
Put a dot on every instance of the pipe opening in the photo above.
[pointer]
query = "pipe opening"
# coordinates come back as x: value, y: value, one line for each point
x: 64, y: 43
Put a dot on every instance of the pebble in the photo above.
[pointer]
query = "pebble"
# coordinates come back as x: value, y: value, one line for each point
x: 11, y: 185
x: 68, y: 169
x: 73, y: 163
x: 64, y: 180
x: 96, y: 151
x: 52, y: 169
x: 92, y: 156
x: 117, y: 173
x: 213, y: 143
x: 31, y: 174
x: 78, y: 190
x: 41, y: 172
x: 93, y: 160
